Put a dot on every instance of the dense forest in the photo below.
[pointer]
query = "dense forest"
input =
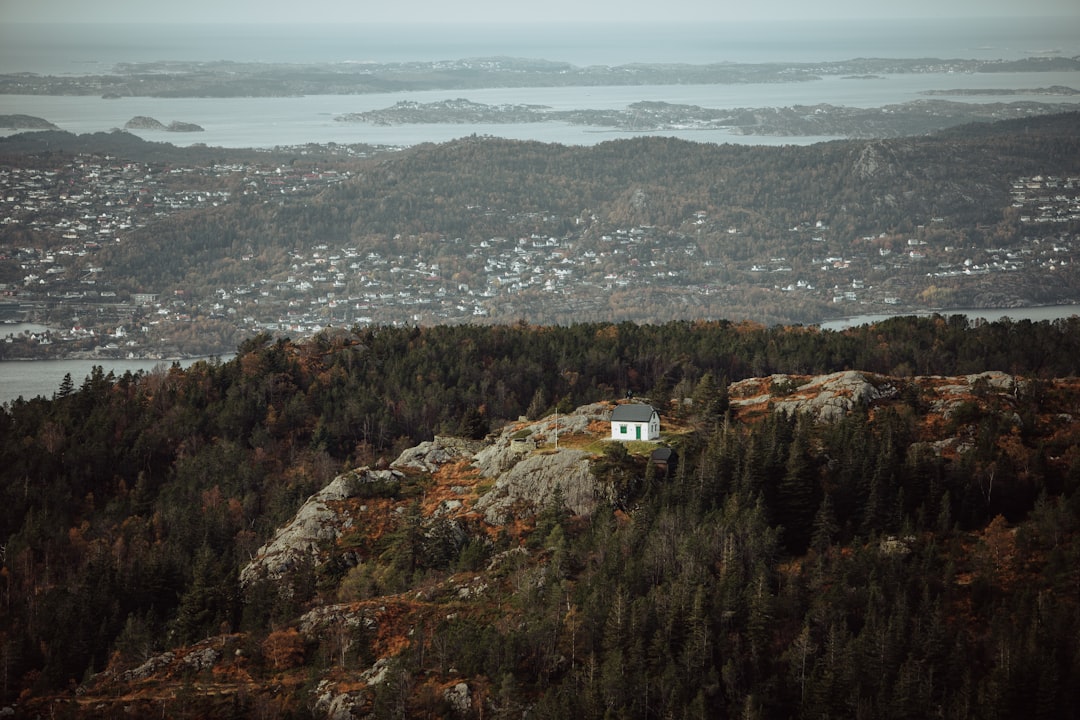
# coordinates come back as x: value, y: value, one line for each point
x: 785, y: 568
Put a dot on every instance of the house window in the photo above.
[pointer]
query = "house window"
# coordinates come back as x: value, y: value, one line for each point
x: 622, y: 429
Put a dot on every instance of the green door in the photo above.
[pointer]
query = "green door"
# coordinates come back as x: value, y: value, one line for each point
x: 637, y: 429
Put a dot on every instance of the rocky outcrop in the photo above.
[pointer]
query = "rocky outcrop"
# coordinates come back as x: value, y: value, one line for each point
x: 459, y: 698
x: 326, y: 618
x: 527, y: 477
x: 334, y: 704
x: 949, y: 394
x: 529, y: 485
x: 953, y: 402
x: 315, y: 523
x: 827, y: 398
x: 201, y: 657
x: 525, y: 482
x: 507, y: 449
x: 429, y: 456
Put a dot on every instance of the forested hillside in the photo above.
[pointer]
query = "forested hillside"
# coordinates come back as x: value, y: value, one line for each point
x: 487, y: 187
x: 229, y: 243
x: 914, y: 555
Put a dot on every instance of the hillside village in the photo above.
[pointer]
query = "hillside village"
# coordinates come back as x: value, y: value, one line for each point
x: 56, y: 221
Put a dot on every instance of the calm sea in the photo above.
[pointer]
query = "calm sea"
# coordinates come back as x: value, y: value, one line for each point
x: 64, y: 49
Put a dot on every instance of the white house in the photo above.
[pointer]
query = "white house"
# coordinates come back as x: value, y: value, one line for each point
x: 635, y: 421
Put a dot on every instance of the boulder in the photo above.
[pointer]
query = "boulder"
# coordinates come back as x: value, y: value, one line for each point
x: 459, y: 698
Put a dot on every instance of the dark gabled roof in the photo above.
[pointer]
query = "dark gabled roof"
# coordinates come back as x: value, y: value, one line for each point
x: 662, y: 454
x: 633, y: 412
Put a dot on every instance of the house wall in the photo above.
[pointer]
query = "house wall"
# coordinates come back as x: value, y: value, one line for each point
x: 649, y: 430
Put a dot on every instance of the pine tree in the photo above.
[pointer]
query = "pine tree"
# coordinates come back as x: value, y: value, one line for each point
x: 796, y: 494
x: 825, y: 526
x: 67, y: 386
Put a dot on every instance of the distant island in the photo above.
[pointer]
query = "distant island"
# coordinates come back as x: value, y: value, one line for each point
x: 142, y: 122
x: 1057, y: 90
x: 910, y: 118
x: 252, y: 79
x: 25, y: 122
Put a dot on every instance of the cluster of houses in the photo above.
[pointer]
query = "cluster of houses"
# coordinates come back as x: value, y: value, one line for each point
x: 1043, y: 199
x: 92, y: 201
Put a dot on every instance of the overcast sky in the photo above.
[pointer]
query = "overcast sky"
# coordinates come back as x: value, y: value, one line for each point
x: 293, y: 11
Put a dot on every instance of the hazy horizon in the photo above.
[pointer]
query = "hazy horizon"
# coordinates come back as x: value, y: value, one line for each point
x: 496, y: 12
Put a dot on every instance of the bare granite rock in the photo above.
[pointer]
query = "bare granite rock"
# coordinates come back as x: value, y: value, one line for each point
x: 312, y: 525
x: 459, y: 698
x: 335, y: 705
x: 951, y: 396
x: 514, y: 443
x: 827, y: 398
x: 428, y: 456
x: 530, y: 483
x: 527, y: 477
x: 830, y: 397
x: 327, y: 618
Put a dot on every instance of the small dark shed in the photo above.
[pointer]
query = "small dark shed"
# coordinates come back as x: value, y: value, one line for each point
x: 664, y: 458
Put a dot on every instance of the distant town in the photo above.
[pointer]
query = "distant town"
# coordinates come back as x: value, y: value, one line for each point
x: 70, y: 214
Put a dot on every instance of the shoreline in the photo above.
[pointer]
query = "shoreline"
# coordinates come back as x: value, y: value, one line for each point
x: 1034, y: 313
x: 1051, y: 312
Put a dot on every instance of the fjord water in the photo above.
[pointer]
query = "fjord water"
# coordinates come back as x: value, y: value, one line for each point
x: 29, y: 379
x: 266, y: 122
x: 279, y: 121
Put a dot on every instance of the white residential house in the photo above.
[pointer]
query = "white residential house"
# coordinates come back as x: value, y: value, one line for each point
x: 635, y: 421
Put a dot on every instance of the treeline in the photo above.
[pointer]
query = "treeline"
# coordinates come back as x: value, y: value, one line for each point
x: 131, y: 503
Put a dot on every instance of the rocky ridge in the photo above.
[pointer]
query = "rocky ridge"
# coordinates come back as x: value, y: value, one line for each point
x: 515, y: 473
